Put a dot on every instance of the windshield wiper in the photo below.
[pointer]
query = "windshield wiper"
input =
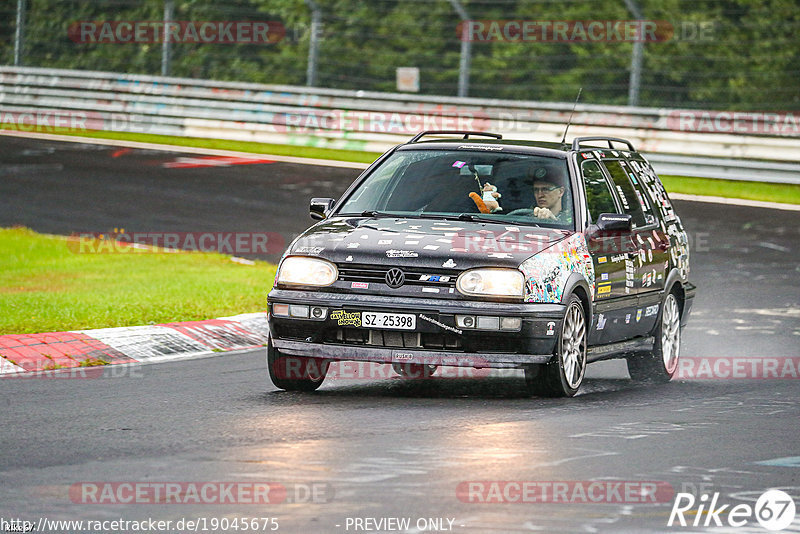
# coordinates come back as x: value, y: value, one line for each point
x: 471, y: 217
x: 460, y: 217
x: 478, y: 218
x: 376, y: 213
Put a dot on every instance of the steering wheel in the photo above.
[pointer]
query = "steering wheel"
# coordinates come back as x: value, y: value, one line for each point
x: 522, y: 212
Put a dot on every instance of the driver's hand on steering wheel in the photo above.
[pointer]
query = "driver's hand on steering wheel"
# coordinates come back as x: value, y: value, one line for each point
x: 543, y: 213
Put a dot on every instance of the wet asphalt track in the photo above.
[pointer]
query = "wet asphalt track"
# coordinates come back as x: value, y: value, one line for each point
x: 390, y: 447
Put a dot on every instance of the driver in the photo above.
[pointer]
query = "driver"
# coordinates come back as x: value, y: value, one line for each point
x: 548, y: 196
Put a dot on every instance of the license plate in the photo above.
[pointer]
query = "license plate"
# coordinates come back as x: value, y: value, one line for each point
x: 393, y: 321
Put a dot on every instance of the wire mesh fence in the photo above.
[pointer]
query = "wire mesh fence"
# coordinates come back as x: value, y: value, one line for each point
x: 707, y: 54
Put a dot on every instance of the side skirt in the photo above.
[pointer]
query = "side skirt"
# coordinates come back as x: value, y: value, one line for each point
x: 619, y: 349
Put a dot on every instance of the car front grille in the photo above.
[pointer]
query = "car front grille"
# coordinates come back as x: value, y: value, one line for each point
x: 413, y: 276
x: 397, y: 339
x: 388, y: 338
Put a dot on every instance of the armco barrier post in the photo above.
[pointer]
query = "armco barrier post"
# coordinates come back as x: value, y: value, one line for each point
x: 313, y: 42
x: 166, y: 46
x: 466, y: 50
x: 636, y: 58
x: 19, y: 34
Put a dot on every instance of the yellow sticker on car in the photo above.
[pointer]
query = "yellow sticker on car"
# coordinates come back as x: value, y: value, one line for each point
x: 344, y: 318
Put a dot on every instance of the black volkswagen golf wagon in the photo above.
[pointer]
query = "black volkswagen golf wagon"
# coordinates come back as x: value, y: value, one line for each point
x: 480, y: 252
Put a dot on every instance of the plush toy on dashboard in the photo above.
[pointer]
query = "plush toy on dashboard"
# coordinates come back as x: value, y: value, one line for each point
x: 489, y: 203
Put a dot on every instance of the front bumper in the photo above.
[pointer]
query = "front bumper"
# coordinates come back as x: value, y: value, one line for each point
x: 436, y: 339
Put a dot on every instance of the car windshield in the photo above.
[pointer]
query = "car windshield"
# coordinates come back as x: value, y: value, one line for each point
x: 497, y: 186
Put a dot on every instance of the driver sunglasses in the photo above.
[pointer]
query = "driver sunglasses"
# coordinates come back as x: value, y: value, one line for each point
x: 537, y: 190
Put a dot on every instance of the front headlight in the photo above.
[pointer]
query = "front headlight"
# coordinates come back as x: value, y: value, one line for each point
x: 491, y: 283
x: 302, y: 271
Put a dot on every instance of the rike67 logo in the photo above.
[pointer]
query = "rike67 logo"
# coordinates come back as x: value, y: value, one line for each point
x: 774, y: 510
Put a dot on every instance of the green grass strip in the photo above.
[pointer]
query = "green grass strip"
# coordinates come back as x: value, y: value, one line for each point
x: 765, y: 191
x: 46, y: 285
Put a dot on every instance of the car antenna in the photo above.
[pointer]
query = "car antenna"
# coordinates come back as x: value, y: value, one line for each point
x: 570, y: 115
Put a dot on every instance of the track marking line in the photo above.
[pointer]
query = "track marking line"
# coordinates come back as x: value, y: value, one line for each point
x: 183, y: 162
x: 185, y: 149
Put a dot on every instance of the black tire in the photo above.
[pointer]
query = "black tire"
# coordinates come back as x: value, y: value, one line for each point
x: 563, y: 375
x: 660, y: 365
x: 414, y: 370
x: 295, y: 373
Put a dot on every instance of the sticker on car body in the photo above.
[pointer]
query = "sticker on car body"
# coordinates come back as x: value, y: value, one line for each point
x: 546, y: 273
x: 394, y: 253
x: 344, y: 318
x: 440, y: 324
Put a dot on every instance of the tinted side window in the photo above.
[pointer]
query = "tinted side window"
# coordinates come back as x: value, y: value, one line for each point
x: 633, y: 169
x: 627, y: 194
x: 598, y: 196
x: 653, y: 190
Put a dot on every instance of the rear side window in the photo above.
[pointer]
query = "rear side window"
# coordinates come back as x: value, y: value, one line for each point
x: 598, y: 196
x: 642, y: 193
x: 653, y: 190
x: 631, y: 202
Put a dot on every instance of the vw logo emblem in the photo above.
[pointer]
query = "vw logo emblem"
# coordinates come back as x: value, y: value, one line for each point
x: 395, y: 278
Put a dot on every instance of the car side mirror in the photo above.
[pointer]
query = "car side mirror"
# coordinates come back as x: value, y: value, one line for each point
x: 613, y: 222
x: 319, y: 207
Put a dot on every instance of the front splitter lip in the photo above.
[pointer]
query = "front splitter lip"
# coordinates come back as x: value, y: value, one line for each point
x: 330, y: 299
x: 403, y: 355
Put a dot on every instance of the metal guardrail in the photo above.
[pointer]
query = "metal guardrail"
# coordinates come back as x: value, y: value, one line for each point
x: 726, y: 168
x: 370, y: 121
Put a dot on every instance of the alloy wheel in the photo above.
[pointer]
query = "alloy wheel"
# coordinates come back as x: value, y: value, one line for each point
x: 670, y: 333
x: 573, y: 346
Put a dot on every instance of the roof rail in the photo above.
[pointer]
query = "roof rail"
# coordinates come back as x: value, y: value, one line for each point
x: 576, y: 143
x: 466, y: 134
